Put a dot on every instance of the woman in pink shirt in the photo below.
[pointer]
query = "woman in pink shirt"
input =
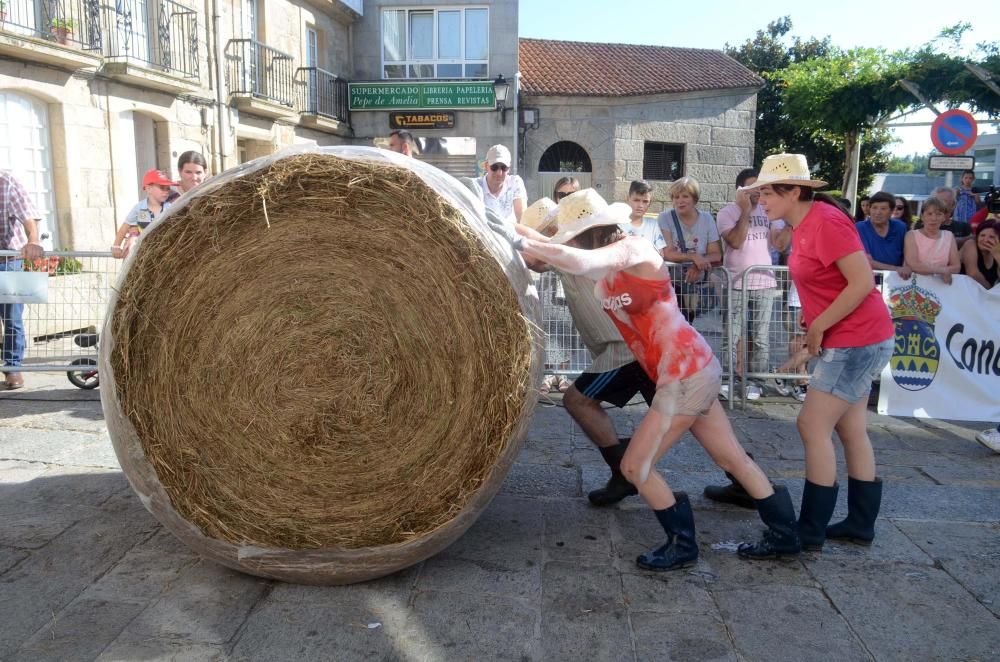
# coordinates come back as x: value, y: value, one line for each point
x: 633, y: 285
x: 931, y: 251
x: 849, y: 329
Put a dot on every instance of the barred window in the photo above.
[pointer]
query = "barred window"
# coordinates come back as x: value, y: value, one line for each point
x: 662, y: 161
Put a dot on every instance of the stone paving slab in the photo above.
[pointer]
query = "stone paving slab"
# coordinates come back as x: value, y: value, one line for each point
x: 86, y: 573
x: 966, y: 552
x: 767, y: 624
x: 909, y: 612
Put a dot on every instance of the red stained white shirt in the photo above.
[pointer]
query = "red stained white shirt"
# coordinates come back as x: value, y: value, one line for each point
x: 824, y: 236
x: 646, y: 313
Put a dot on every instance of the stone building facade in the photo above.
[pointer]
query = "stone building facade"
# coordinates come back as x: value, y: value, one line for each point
x: 84, y: 111
x: 474, y: 131
x: 93, y: 94
x: 612, y: 113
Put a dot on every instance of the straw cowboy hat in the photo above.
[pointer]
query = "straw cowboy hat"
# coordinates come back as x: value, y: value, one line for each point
x: 784, y: 169
x: 582, y: 210
x: 540, y: 215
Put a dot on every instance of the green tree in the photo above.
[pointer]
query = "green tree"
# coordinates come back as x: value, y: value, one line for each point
x: 844, y: 93
x: 772, y: 50
x: 764, y: 54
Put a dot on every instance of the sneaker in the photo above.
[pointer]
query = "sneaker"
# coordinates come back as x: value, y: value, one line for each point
x: 782, y: 387
x: 799, y: 392
x: 724, y: 391
x: 990, y: 438
x: 752, y: 391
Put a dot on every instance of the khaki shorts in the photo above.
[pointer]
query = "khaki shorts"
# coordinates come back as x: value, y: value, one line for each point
x: 694, y: 395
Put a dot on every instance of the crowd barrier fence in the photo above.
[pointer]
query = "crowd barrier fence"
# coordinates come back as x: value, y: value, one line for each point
x: 771, y: 361
x: 68, y: 294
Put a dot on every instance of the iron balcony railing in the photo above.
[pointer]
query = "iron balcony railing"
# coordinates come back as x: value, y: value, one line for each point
x: 68, y: 22
x: 159, y: 34
x: 254, y: 69
x: 323, y: 93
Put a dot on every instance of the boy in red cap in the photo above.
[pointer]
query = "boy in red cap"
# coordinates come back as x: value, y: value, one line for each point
x: 157, y: 187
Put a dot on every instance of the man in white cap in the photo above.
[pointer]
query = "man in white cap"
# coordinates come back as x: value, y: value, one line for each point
x: 501, y: 191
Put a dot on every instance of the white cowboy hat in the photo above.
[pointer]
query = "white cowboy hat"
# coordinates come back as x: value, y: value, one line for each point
x: 784, y: 169
x: 582, y: 210
x: 540, y: 214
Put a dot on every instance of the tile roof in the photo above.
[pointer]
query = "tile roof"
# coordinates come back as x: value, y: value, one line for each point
x: 579, y: 68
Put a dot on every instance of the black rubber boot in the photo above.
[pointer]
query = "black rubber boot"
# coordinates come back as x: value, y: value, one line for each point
x: 617, y: 487
x: 681, y: 549
x: 733, y: 493
x: 782, y: 535
x: 863, y: 501
x: 818, y: 503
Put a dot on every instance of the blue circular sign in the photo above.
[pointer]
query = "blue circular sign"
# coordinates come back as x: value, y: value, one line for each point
x: 954, y: 132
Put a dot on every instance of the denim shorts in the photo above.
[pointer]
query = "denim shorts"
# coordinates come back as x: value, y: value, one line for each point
x: 847, y: 372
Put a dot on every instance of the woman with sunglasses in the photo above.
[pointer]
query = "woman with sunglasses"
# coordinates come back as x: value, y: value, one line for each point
x: 901, y: 211
x: 501, y: 191
x: 633, y: 284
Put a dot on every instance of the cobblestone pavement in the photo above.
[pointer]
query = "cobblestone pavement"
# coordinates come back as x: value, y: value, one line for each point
x: 86, y: 573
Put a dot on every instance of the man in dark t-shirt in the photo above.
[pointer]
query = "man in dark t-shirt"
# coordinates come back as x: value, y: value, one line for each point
x: 882, y: 235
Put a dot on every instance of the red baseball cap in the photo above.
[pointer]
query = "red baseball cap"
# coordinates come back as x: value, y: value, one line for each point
x: 154, y: 176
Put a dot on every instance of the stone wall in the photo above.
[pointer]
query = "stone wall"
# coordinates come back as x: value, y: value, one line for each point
x: 92, y: 159
x: 717, y: 130
x: 84, y: 119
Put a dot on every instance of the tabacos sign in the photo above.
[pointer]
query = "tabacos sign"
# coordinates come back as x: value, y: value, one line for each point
x: 441, y: 119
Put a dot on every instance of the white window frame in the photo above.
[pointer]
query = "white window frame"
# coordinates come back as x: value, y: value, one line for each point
x: 312, y: 47
x: 409, y: 61
x: 31, y: 161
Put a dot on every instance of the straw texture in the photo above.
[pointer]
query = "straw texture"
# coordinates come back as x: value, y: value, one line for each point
x: 320, y: 355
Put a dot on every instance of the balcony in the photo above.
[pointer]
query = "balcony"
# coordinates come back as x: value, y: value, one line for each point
x: 152, y: 43
x: 60, y: 32
x: 260, y: 78
x: 324, y: 100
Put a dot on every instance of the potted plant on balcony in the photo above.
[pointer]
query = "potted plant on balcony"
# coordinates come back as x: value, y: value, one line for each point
x: 62, y: 29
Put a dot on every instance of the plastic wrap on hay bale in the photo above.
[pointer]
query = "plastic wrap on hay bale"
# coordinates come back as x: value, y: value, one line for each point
x: 320, y: 366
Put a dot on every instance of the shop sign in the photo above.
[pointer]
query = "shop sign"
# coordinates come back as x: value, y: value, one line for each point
x: 455, y: 95
x: 439, y: 119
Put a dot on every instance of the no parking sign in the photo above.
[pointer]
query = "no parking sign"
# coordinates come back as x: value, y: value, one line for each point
x: 954, y: 132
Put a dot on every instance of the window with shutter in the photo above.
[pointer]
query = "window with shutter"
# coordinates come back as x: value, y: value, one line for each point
x: 662, y: 161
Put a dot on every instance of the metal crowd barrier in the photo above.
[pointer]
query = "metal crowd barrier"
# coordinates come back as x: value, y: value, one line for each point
x: 79, y: 286
x: 565, y: 353
x: 768, y: 343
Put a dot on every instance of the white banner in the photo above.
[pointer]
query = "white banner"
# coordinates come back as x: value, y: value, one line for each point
x: 24, y: 286
x: 946, y: 363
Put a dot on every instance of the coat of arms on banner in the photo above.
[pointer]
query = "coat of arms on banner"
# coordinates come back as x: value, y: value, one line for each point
x: 915, y: 358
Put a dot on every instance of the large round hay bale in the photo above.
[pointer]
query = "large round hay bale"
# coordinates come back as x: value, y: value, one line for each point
x: 320, y: 367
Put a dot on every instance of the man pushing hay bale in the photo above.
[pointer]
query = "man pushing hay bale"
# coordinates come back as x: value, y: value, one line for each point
x: 321, y: 366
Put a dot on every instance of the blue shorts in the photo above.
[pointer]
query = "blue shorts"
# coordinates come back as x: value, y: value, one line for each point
x: 847, y: 372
